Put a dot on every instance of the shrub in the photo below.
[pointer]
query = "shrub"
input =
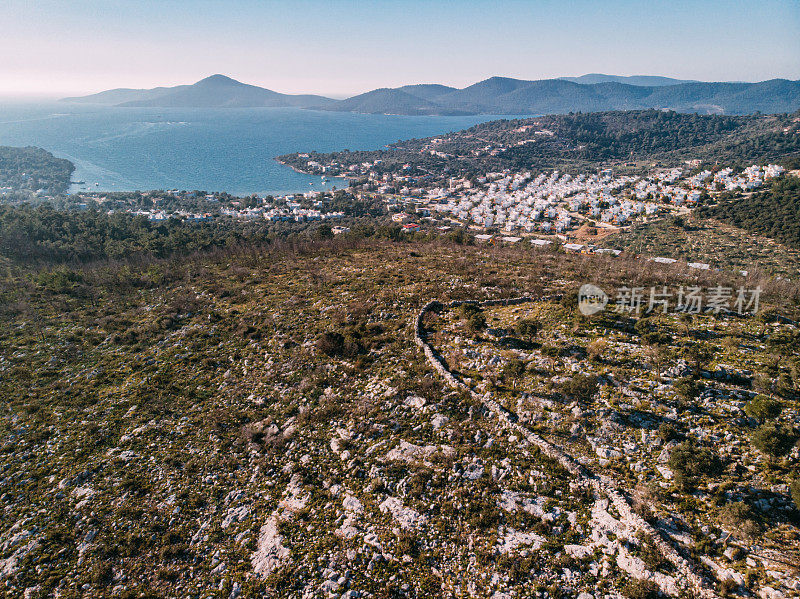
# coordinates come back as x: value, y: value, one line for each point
x: 668, y: 432
x: 773, y: 440
x: 513, y: 371
x: 331, y: 343
x: 739, y: 516
x: 794, y: 489
x: 476, y: 322
x: 687, y: 389
x: 763, y: 408
x: 595, y: 349
x: 689, y: 463
x: 580, y: 387
x: 527, y: 328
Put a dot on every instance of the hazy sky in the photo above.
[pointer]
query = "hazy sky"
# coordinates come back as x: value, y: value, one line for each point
x: 345, y: 47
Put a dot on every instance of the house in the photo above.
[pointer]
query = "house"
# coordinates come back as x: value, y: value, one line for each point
x: 411, y: 227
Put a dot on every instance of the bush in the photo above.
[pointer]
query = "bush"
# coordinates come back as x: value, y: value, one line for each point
x: 763, y: 408
x: 513, y: 371
x: 738, y: 516
x: 668, y: 432
x: 331, y: 343
x: 687, y: 389
x: 595, y: 349
x: 689, y: 463
x: 527, y: 328
x: 773, y: 440
x: 581, y: 387
x: 476, y: 322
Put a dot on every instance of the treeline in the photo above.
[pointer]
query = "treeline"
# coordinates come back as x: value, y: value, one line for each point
x: 774, y: 213
x: 44, y: 235
x: 33, y: 168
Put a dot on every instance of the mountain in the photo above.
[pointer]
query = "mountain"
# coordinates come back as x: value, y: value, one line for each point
x: 394, y: 101
x: 646, y: 80
x: 214, y: 91
x: 427, y: 91
x: 496, y: 95
x: 504, y: 95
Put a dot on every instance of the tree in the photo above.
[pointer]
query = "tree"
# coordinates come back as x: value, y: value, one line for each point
x: 739, y: 516
x: 324, y: 232
x: 794, y: 488
x: 774, y: 440
x: 513, y: 371
x: 476, y: 322
x: 527, y: 328
x: 687, y: 389
x: 763, y: 408
x: 580, y: 387
x: 689, y: 463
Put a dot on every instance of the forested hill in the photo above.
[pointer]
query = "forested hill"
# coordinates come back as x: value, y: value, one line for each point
x: 774, y: 213
x: 32, y: 169
x: 496, y: 95
x: 579, y: 140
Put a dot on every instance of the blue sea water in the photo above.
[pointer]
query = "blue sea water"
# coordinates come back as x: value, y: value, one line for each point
x: 219, y: 149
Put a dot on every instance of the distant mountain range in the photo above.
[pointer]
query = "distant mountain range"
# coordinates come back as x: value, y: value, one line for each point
x: 497, y: 95
x: 214, y: 91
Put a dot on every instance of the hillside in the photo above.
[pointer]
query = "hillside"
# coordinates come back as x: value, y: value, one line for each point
x: 711, y: 241
x: 645, y: 80
x: 214, y: 91
x: 496, y: 95
x: 390, y: 101
x: 31, y: 169
x: 618, y: 139
x: 503, y: 95
x: 774, y: 213
x: 261, y: 423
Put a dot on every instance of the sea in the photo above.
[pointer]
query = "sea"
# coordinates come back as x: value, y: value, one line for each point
x: 209, y: 149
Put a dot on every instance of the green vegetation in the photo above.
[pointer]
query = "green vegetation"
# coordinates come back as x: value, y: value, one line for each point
x: 32, y: 169
x: 774, y: 213
x: 43, y: 234
x: 716, y: 243
x: 690, y: 463
x: 161, y: 411
x: 578, y: 142
x: 773, y: 440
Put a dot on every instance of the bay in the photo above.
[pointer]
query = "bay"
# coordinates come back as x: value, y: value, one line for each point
x: 210, y: 149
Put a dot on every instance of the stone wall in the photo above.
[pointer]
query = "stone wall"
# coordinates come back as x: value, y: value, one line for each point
x: 687, y: 573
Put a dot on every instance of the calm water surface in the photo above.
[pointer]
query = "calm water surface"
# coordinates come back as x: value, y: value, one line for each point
x: 200, y: 148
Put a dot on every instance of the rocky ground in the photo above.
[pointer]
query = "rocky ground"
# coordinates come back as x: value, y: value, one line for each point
x: 262, y: 423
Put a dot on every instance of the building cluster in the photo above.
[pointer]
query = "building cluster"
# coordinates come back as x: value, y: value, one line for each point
x: 554, y: 203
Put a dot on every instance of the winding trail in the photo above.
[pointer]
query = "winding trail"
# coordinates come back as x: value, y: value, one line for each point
x: 689, y: 574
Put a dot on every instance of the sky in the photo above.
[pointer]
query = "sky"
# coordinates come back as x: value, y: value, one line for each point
x: 344, y: 47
